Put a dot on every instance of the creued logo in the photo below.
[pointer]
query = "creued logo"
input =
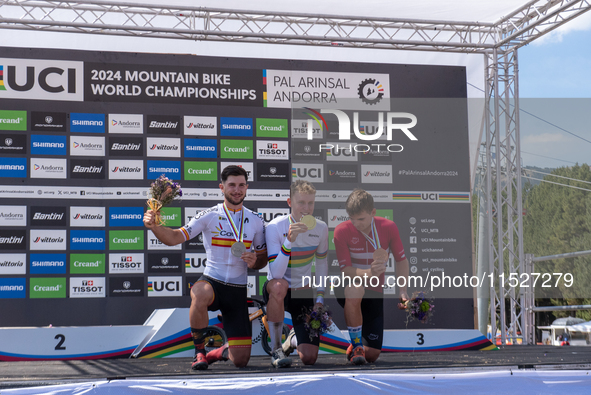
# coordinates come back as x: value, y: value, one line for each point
x: 40, y: 79
x: 87, y: 146
x: 126, y: 240
x: 126, y: 169
x: 163, y: 147
x: 200, y: 126
x: 126, y: 123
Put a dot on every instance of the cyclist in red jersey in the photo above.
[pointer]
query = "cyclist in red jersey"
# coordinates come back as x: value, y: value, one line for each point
x: 363, y: 245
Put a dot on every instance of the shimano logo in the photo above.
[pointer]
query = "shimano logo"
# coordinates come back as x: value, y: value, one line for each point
x: 7, y: 288
x: 48, y: 145
x: 200, y: 148
x: 164, y: 170
x: 87, y: 240
x: 12, y: 167
x: 84, y: 122
x: 236, y: 127
x: 126, y: 216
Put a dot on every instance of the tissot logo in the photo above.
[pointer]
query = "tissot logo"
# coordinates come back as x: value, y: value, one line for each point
x: 87, y: 240
x: 48, y: 168
x: 13, y: 215
x: 126, y: 169
x: 126, y: 123
x: 39, y: 79
x: 48, y: 145
x: 126, y: 286
x: 155, y: 244
x: 267, y: 149
x: 171, y: 169
x: 48, y: 263
x: 87, y: 169
x: 13, y: 168
x: 48, y: 216
x: 165, y: 263
x: 273, y: 171
x: 270, y: 214
x: 201, y: 148
x: 163, y: 124
x: 48, y: 121
x: 200, y: 126
x: 82, y: 216
x: 126, y: 146
x: 163, y: 147
x: 13, y: 240
x: 376, y: 174
x: 13, y: 288
x: 307, y: 172
x: 87, y: 287
x: 300, y: 127
x: 195, y: 263
x: 236, y: 127
x: 13, y: 144
x: 11, y: 264
x: 47, y: 239
x: 248, y: 166
x: 87, y: 146
x: 87, y: 123
x: 126, y: 216
x: 165, y: 286
x: 126, y: 263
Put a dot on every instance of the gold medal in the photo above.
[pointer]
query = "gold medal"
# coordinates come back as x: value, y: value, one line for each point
x: 237, y: 249
x: 309, y: 221
x: 380, y: 255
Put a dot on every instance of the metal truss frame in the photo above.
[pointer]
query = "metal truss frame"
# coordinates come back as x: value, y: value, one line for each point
x: 498, y: 42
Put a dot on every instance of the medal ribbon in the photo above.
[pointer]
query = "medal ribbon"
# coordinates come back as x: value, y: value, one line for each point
x: 374, y: 240
x: 238, y: 235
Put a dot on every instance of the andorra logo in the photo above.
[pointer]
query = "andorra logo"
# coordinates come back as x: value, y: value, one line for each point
x: 76, y: 145
x: 370, y: 91
x: 113, y: 122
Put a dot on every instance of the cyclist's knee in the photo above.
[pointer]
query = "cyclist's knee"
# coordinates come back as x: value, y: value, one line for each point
x: 278, y: 288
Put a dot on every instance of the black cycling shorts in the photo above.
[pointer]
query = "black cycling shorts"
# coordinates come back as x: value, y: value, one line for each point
x: 372, y: 309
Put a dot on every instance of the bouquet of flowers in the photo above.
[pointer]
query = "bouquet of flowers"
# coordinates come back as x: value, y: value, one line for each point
x: 419, y: 307
x: 163, y: 191
x: 317, y: 320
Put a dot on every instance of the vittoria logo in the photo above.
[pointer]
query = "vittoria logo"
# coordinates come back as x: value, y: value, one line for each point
x: 126, y: 169
x: 48, y: 239
x: 200, y: 126
x: 163, y: 147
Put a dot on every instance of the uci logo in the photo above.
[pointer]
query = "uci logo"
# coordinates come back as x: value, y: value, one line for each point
x: 310, y: 172
x: 430, y: 196
x: 198, y: 262
x: 42, y: 79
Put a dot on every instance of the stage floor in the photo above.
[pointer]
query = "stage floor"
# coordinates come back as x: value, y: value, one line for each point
x: 39, y: 373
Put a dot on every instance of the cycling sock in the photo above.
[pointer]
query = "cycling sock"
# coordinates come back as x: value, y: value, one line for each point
x: 355, y: 333
x: 276, y: 329
x: 198, y: 336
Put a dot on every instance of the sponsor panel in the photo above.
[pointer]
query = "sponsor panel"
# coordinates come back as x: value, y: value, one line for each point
x: 13, y: 144
x: 87, y: 263
x: 248, y: 166
x: 200, y: 126
x: 48, y: 168
x: 87, y: 240
x: 126, y: 169
x: 163, y: 124
x: 126, y: 146
x: 163, y: 147
x: 13, y: 168
x: 126, y: 216
x: 385, y: 213
x: 270, y: 127
x: 200, y: 171
x: 235, y: 127
x: 336, y: 216
x: 306, y: 151
x: 87, y: 146
x: 43, y: 79
x: 48, y: 239
x: 339, y: 152
x: 347, y: 174
x: 171, y: 216
x: 11, y: 264
x: 13, y: 120
x: 299, y: 129
x: 155, y: 244
x: 13, y: 215
x: 48, y: 121
x: 376, y: 174
x: 47, y: 287
x: 92, y: 217
x: 170, y: 168
x: 126, y: 240
x: 48, y: 145
x: 125, y: 263
x: 195, y: 263
x: 236, y: 149
x: 165, y: 263
x: 126, y: 286
x: 267, y: 149
x: 269, y: 214
x: 273, y: 171
x: 201, y: 148
x: 48, y: 216
x: 13, y: 239
x: 87, y: 287
x: 47, y: 263
x: 13, y: 288
x: 87, y: 123
x: 307, y: 172
x: 126, y: 123
x: 89, y: 169
x: 165, y: 286
x: 191, y: 212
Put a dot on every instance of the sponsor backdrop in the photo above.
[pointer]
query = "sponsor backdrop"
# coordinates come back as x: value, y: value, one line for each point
x: 83, y: 134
